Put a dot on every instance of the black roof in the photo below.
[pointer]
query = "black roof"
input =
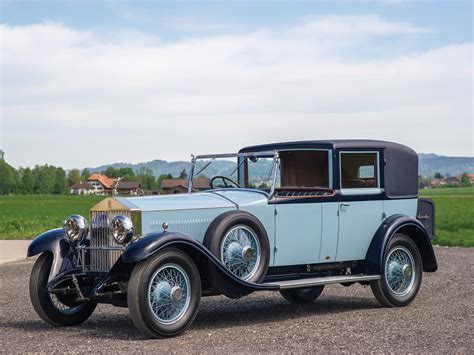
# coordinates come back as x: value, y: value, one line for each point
x: 329, y: 144
x: 399, y: 165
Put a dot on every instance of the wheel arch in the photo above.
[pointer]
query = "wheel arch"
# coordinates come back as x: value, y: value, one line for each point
x: 153, y: 243
x: 409, y: 226
x: 55, y: 242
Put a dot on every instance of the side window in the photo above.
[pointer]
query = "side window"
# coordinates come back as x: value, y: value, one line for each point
x: 359, y: 170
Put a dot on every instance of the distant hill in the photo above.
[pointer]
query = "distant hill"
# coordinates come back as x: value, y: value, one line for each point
x: 429, y: 164
x: 451, y: 166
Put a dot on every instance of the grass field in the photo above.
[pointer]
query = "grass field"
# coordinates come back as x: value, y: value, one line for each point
x: 454, y: 215
x: 24, y: 217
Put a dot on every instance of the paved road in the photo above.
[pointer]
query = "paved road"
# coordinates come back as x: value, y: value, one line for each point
x: 343, y: 319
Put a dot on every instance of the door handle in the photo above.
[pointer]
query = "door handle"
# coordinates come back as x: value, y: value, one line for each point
x: 343, y: 206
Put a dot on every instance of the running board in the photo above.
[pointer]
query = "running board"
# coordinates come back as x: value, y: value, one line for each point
x: 318, y: 281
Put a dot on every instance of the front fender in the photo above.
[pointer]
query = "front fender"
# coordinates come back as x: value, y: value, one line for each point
x: 228, y: 283
x: 55, y: 242
x: 406, y: 225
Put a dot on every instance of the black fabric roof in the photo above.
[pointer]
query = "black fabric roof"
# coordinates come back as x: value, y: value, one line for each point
x: 328, y: 144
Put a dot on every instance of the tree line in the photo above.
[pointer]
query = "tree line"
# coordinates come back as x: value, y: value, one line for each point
x: 48, y: 179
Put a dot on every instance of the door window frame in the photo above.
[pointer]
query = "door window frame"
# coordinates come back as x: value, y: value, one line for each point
x: 360, y: 190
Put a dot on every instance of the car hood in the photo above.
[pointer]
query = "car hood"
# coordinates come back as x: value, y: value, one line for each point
x: 201, y: 200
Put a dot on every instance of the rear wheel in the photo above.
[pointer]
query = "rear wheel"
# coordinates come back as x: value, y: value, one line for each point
x: 164, y: 294
x: 402, y: 274
x: 302, y: 295
x: 56, y: 310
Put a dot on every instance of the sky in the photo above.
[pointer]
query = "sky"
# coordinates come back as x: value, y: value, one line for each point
x: 86, y: 83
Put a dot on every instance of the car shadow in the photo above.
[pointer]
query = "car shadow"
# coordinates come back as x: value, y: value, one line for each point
x: 213, y: 314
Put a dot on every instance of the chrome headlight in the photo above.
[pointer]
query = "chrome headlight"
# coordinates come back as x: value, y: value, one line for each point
x: 76, y: 228
x: 122, y: 229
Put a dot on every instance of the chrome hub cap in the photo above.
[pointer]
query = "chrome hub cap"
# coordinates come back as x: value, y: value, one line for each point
x: 169, y: 293
x: 400, y: 271
x: 240, y: 252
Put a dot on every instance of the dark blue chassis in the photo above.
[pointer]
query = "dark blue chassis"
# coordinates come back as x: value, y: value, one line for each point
x: 102, y: 287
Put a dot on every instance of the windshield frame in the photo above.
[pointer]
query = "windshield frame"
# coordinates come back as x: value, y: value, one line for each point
x: 273, y: 153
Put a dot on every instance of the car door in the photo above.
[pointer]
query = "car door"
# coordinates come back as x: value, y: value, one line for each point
x: 298, y: 233
x: 361, y: 210
x: 299, y: 218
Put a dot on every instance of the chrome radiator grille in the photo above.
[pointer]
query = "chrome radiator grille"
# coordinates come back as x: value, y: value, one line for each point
x: 101, y: 259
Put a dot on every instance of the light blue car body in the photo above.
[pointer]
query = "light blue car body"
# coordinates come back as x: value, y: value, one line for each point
x: 303, y: 233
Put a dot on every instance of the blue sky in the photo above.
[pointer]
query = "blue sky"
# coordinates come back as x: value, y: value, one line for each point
x: 221, y: 75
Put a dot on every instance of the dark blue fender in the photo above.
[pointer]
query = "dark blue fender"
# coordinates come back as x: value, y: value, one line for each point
x: 408, y: 226
x: 55, y: 242
x: 227, y: 283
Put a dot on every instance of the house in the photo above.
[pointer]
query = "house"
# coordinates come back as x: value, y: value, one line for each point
x: 452, y: 180
x: 437, y: 182
x: 129, y: 188
x: 471, y: 178
x: 82, y: 188
x: 101, y: 184
x: 180, y: 186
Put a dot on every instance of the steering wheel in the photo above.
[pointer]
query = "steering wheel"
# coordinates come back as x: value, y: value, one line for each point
x: 228, y: 182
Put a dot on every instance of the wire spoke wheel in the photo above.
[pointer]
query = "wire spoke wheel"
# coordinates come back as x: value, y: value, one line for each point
x: 63, y: 308
x: 169, y: 293
x: 400, y: 271
x: 241, y: 252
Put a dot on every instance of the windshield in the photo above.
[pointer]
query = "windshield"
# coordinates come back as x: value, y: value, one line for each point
x: 252, y: 171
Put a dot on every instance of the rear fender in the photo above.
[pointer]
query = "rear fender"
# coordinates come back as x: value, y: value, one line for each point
x: 227, y: 283
x: 408, y: 226
x: 55, y: 241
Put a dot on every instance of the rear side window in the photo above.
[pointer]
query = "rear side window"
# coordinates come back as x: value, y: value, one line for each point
x: 359, y: 170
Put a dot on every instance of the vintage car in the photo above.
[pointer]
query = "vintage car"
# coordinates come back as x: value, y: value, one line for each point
x: 288, y: 217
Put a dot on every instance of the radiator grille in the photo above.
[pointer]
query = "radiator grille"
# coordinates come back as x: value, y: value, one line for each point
x: 100, y: 259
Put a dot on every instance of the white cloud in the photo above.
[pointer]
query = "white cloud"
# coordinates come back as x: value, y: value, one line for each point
x: 78, y: 98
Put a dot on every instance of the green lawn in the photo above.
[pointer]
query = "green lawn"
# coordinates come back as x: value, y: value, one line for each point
x: 454, y: 215
x: 24, y: 217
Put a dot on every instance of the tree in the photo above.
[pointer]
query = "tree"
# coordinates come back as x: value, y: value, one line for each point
x: 111, y: 172
x: 7, y: 178
x: 85, y: 174
x: 46, y: 179
x: 183, y: 174
x: 146, y: 179
x: 127, y: 174
x: 28, y: 181
x: 60, y: 182
x: 73, y: 177
x: 438, y: 175
x: 465, y: 180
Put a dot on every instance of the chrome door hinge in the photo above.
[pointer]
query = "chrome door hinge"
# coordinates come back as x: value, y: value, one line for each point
x: 384, y: 216
x: 275, y: 249
x: 275, y: 212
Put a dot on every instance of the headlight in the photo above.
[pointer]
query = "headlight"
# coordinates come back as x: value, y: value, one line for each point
x: 122, y: 229
x: 76, y: 228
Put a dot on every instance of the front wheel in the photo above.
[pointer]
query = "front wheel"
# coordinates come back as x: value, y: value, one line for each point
x: 402, y: 274
x: 59, y: 311
x: 302, y: 295
x: 164, y: 294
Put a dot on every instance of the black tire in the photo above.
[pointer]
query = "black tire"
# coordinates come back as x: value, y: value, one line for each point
x: 381, y: 289
x: 139, y: 307
x: 302, y: 295
x: 43, y: 304
x: 225, y: 222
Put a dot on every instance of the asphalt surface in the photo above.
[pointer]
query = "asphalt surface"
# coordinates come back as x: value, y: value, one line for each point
x: 342, y: 319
